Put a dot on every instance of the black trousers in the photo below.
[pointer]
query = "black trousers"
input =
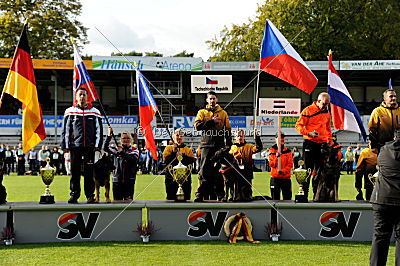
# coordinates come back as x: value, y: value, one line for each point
x: 278, y: 185
x: 312, y: 160
x: 171, y: 187
x: 386, y: 219
x: 124, y: 191
x: 82, y: 157
x: 21, y: 167
x: 211, y: 183
x: 32, y: 165
x: 349, y: 167
x: 367, y: 183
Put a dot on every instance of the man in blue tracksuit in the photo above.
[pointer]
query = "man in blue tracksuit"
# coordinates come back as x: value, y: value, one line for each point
x: 82, y: 136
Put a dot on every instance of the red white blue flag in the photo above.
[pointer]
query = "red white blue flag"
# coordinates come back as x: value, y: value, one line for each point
x: 211, y: 81
x: 279, y: 59
x: 147, y: 110
x: 82, y: 79
x: 345, y: 115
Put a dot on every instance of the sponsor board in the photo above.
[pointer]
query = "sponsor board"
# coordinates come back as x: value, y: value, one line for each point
x: 73, y: 224
x: 334, y: 223
x: 279, y: 107
x: 206, y: 83
x: 147, y: 63
x: 369, y: 64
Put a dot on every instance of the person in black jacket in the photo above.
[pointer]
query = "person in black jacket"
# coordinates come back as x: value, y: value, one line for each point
x: 385, y: 201
x: 82, y: 135
x: 126, y: 164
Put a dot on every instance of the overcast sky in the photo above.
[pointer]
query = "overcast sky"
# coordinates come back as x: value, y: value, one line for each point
x: 165, y: 26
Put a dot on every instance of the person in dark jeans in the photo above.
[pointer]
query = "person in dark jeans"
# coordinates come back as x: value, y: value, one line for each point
x: 385, y: 201
x: 82, y: 135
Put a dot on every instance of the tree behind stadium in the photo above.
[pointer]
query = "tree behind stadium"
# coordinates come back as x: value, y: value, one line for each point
x: 51, y: 24
x: 354, y: 29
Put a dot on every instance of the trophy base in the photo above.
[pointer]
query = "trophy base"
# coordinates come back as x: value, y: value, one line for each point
x: 47, y: 199
x: 180, y: 198
x: 301, y: 199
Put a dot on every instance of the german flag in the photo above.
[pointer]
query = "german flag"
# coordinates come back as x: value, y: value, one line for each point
x: 21, y: 84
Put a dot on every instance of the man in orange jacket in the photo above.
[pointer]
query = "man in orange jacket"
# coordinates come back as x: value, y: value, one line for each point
x: 315, y: 126
x: 280, y: 180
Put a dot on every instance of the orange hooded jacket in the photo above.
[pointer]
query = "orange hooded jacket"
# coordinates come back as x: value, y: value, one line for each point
x: 286, y: 162
x: 314, y: 119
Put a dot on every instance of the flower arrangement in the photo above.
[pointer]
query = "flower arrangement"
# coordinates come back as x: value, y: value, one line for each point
x: 8, y: 235
x: 274, y: 231
x: 145, y: 229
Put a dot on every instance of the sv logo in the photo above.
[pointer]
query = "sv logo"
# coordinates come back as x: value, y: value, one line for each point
x: 201, y: 222
x: 72, y: 223
x: 334, y: 222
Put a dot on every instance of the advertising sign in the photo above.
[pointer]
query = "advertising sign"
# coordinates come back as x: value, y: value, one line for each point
x: 369, y: 64
x: 206, y: 83
x: 147, y: 63
x: 47, y: 63
x: 279, y: 107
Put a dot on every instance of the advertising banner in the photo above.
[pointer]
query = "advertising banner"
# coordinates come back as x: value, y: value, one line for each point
x: 369, y: 64
x: 147, y: 63
x: 206, y: 83
x: 279, y: 107
x: 47, y: 63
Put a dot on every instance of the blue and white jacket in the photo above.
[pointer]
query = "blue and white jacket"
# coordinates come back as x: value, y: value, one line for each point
x: 82, y: 128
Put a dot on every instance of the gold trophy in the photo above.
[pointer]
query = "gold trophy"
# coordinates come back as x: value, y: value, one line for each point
x: 47, y: 173
x: 374, y: 177
x: 180, y: 174
x: 301, y: 177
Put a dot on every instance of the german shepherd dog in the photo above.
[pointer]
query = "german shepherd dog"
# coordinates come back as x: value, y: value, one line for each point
x: 102, y: 171
x: 327, y: 176
x: 229, y: 170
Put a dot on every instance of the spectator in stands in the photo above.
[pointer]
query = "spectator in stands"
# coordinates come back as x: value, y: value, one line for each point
x: 385, y: 201
x: 43, y: 155
x: 243, y: 152
x: 14, y: 159
x: 384, y: 120
x: 67, y: 162
x: 149, y: 161
x: 142, y: 162
x: 280, y: 179
x: 170, y: 154
x: 82, y: 135
x: 55, y: 159
x: 349, y: 155
x: 315, y: 126
x: 20, y: 160
x: 296, y: 157
x: 214, y: 124
x: 32, y: 160
x: 366, y: 165
x: 357, y: 152
x: 8, y: 160
x: 126, y: 164
x: 62, y: 161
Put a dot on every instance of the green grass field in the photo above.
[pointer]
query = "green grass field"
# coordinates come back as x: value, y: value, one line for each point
x: 29, y: 188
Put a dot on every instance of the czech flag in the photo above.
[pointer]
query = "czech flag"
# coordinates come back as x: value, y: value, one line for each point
x: 211, y: 81
x: 21, y: 84
x: 147, y: 110
x: 279, y: 59
x: 345, y: 115
x: 82, y: 79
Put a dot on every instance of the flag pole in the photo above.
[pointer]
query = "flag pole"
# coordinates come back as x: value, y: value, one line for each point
x: 100, y: 103
x: 28, y: 15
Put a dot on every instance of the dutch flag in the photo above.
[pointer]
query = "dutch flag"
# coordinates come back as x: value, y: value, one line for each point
x: 345, y: 115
